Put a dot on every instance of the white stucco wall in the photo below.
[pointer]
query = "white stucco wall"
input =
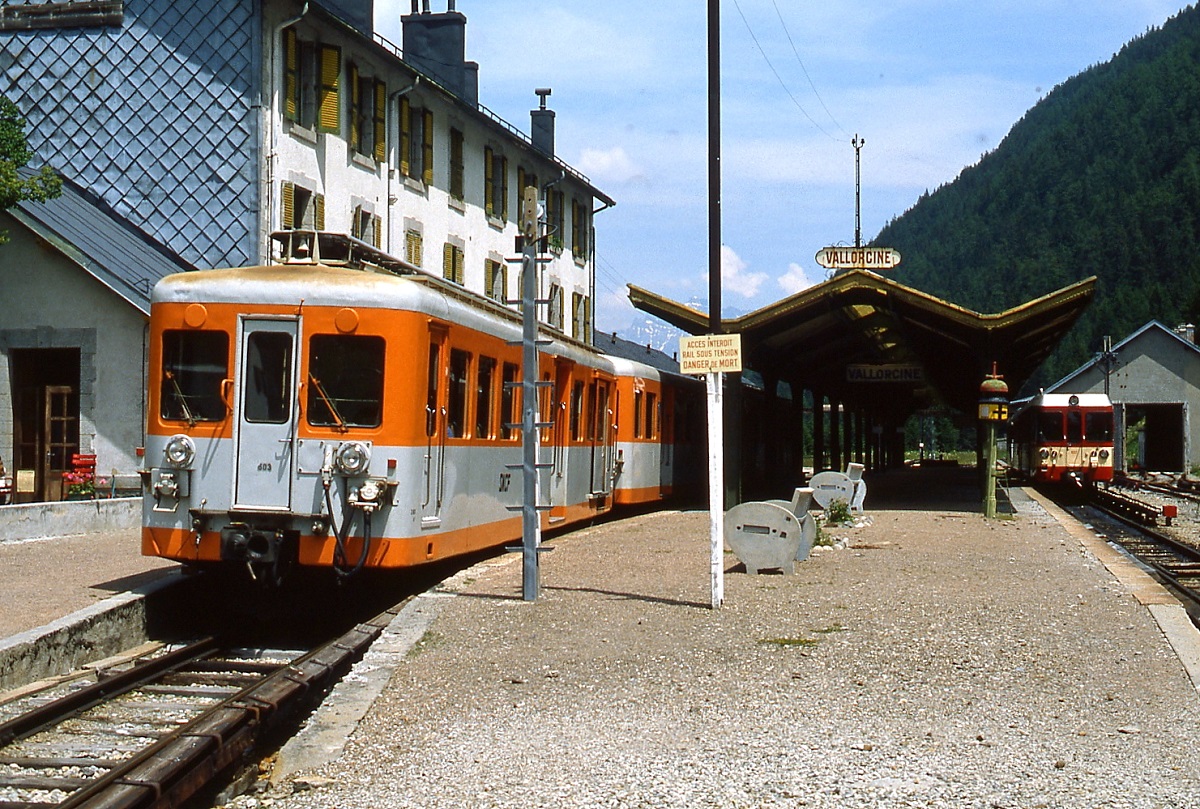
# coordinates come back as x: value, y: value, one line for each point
x: 49, y: 301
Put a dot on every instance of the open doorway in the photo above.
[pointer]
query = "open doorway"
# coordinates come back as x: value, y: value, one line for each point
x: 45, y: 390
x: 1154, y: 437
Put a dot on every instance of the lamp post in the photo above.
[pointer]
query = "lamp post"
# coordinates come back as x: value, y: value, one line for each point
x: 993, y: 408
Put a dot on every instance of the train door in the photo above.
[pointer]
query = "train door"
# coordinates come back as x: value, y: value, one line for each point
x: 561, y: 438
x: 266, y: 418
x: 601, y: 436
x: 665, y: 418
x: 435, y: 430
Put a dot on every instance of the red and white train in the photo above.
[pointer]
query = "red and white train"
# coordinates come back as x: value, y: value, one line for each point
x: 363, y: 418
x: 1063, y: 438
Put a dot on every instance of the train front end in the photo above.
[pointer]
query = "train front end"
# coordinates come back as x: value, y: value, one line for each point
x: 265, y: 440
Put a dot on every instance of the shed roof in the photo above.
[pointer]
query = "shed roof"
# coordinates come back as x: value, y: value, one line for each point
x: 88, y: 232
x: 860, y: 317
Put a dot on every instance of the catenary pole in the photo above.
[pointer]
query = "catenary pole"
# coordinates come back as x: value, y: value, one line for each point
x: 716, y: 448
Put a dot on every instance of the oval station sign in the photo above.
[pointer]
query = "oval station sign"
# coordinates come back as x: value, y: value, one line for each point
x: 858, y: 258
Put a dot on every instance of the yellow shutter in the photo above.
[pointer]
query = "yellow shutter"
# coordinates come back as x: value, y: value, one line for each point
x: 405, y: 135
x: 503, y: 188
x: 489, y: 181
x: 318, y: 211
x: 377, y: 231
x: 355, y: 109
x: 448, y: 261
x: 291, y: 75
x: 427, y: 148
x: 380, y: 122
x: 287, y: 206
x: 329, y: 118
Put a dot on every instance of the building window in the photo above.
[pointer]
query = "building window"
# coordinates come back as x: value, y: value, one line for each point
x: 301, y: 208
x: 366, y: 226
x: 579, y: 230
x: 452, y: 263
x: 555, y: 315
x: 495, y: 276
x: 495, y: 184
x: 300, y: 85
x: 581, y: 318
x: 368, y: 100
x: 457, y: 172
x: 554, y: 219
x: 416, y: 142
x: 412, y: 247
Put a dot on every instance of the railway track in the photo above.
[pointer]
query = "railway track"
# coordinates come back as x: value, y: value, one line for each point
x: 1176, y: 562
x: 154, y: 730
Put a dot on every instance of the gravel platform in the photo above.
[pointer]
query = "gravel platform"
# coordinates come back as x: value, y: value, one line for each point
x: 941, y: 660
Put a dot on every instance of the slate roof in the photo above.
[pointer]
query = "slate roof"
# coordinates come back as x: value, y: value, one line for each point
x: 89, y: 233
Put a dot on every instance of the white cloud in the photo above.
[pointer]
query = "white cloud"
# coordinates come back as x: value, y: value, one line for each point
x: 794, y: 280
x: 609, y: 165
x: 734, y: 277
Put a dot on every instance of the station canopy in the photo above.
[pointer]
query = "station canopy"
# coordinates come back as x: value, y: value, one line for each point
x: 872, y: 342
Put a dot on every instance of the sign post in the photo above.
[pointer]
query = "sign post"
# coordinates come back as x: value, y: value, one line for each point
x: 713, y: 355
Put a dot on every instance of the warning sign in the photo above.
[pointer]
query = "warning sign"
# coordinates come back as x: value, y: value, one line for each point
x: 710, y: 353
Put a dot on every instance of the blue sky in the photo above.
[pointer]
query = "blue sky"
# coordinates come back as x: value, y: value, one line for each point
x: 931, y: 85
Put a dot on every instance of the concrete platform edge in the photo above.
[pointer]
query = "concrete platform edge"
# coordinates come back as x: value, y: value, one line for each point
x: 92, y: 633
x: 1168, y: 612
x: 324, y: 735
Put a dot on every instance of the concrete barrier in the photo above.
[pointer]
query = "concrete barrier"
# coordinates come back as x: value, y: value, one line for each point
x: 27, y: 521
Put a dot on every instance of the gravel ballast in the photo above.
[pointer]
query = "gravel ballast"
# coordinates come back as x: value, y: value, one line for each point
x: 941, y: 660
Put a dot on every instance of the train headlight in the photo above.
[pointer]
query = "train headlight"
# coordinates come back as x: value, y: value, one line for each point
x: 1104, y: 455
x: 179, y: 452
x: 353, y: 458
x: 1044, y: 453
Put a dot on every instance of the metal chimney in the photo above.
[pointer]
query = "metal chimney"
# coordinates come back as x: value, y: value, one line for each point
x: 541, y: 123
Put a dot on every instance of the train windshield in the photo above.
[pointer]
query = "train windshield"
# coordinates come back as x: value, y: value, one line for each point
x: 345, y: 381
x: 1099, y: 426
x: 1050, y: 425
x: 194, y: 365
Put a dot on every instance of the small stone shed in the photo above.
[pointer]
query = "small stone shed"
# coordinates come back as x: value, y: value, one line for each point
x: 75, y: 283
x: 1153, y: 379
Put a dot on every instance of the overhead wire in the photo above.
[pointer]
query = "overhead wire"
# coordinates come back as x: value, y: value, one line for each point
x: 778, y: 77
x: 800, y: 62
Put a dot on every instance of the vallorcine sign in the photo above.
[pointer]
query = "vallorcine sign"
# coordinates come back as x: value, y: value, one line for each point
x: 858, y: 258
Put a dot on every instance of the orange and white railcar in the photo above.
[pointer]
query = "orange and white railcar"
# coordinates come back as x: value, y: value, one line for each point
x: 1063, y: 438
x: 350, y: 418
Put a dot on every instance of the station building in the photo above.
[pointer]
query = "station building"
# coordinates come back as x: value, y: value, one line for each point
x: 867, y: 352
x: 1153, y: 379
x: 189, y: 132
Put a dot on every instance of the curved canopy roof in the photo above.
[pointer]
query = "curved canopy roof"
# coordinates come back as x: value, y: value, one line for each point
x: 861, y: 318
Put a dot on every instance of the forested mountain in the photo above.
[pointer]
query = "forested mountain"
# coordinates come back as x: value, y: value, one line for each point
x: 1102, y: 177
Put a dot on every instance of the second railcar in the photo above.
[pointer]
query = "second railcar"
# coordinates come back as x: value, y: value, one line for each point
x: 1064, y: 438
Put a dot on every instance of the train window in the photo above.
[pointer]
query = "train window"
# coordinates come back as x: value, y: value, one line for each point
x: 637, y: 414
x: 651, y: 415
x: 456, y: 412
x: 591, y: 411
x: 1050, y: 425
x: 194, y: 365
x: 267, y: 386
x: 509, y: 413
x: 577, y: 411
x: 1074, y: 426
x: 1098, y: 426
x: 345, y: 380
x: 431, y: 405
x: 484, y: 383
